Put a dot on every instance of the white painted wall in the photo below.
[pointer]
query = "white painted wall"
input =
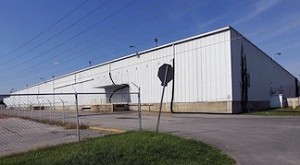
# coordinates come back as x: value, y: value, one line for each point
x: 264, y: 72
x: 203, y: 69
x: 202, y: 73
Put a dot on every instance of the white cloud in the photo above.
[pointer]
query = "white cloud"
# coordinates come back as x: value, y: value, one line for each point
x: 285, y: 27
x: 260, y: 7
x: 208, y: 23
x: 292, y: 46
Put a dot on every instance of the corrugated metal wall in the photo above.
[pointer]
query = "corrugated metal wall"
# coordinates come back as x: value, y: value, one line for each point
x: 203, y: 69
x: 207, y: 69
x: 202, y: 73
x: 265, y: 74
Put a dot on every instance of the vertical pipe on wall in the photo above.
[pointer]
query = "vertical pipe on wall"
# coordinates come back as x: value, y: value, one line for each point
x: 297, y: 87
x: 173, y: 82
x: 109, y: 73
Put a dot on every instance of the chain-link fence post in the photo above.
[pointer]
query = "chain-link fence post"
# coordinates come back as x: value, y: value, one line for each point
x: 1, y: 108
x: 40, y: 109
x: 17, y: 110
x: 27, y: 109
x: 139, y: 105
x: 77, y: 116
x: 14, y: 106
x: 63, y: 110
x: 24, y: 108
x: 9, y: 110
x: 50, y: 113
x: 13, y: 109
x: 31, y: 110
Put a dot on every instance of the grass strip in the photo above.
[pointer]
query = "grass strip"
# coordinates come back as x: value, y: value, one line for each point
x: 278, y: 112
x: 129, y: 148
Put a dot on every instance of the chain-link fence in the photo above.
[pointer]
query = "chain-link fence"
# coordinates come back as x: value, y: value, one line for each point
x: 31, y: 121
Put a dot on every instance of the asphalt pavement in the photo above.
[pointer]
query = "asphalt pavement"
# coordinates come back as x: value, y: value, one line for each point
x: 250, y: 140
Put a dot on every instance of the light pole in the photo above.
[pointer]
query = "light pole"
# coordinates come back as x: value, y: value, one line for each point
x: 136, y: 52
x: 53, y: 92
x: 39, y: 89
x: 156, y: 42
x: 278, y: 54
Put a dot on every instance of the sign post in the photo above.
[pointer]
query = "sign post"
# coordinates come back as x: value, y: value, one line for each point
x: 165, y: 74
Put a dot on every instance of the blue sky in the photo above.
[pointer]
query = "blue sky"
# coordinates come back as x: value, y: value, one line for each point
x: 44, y: 38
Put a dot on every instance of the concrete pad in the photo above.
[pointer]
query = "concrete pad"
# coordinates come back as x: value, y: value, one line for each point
x: 19, y: 135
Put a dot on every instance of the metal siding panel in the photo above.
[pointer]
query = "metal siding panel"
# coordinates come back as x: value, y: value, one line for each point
x: 65, y: 81
x: 181, y: 76
x: 186, y: 75
x: 204, y: 68
x: 228, y: 66
x: 187, y: 80
x: 194, y: 68
x: 209, y: 70
x: 151, y: 91
x: 260, y: 81
x: 200, y: 70
x: 220, y: 70
x: 177, y: 77
x: 213, y: 67
x: 152, y: 66
x: 182, y: 71
x: 261, y: 69
x: 223, y: 70
x: 219, y: 56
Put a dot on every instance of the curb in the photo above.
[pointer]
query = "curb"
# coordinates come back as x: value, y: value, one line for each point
x: 108, y: 129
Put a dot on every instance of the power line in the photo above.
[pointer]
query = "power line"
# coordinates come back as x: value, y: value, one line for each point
x: 264, y: 31
x: 73, y: 58
x: 83, y: 42
x: 78, y: 34
x: 171, y: 32
x: 199, y: 47
x: 45, y: 30
x: 249, y: 34
x: 56, y: 34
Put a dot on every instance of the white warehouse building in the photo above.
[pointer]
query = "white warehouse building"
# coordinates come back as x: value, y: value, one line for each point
x: 216, y: 72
